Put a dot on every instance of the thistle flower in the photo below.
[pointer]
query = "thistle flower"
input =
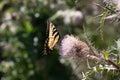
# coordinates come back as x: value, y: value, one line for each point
x: 72, y: 46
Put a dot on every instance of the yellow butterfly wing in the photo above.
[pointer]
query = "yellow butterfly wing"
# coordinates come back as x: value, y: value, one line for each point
x: 52, y: 37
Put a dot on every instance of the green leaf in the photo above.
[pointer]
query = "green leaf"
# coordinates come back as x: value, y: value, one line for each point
x: 106, y: 54
x: 27, y: 26
x: 102, y: 24
x: 2, y: 4
x: 119, y: 62
x: 88, y: 74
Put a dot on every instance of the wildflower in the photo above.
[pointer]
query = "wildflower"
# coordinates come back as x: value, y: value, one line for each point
x: 72, y: 46
x: 69, y: 16
x: 6, y: 65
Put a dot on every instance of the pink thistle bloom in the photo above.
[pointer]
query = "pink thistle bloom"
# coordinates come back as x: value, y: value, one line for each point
x: 72, y: 46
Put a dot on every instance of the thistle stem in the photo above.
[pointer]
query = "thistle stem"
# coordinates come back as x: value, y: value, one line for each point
x: 114, y: 64
x: 108, y: 60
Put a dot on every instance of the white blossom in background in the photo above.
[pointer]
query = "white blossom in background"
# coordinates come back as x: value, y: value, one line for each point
x: 9, y: 22
x: 6, y: 65
x: 118, y: 5
x: 52, y: 3
x: 69, y: 16
x: 118, y: 45
x: 3, y: 26
x: 8, y: 16
x: 35, y: 39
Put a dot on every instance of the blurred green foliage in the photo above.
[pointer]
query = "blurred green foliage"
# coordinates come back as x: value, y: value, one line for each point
x: 22, y: 36
x: 23, y: 32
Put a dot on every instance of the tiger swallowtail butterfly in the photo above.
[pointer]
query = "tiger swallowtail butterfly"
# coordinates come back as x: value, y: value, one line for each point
x: 51, y: 38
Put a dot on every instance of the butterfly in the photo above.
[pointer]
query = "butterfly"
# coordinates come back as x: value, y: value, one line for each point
x: 51, y: 39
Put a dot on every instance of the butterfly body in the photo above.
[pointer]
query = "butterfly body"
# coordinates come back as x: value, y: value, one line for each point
x: 52, y: 38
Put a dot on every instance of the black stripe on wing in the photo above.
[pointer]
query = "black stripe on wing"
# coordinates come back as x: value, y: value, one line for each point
x: 46, y: 48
